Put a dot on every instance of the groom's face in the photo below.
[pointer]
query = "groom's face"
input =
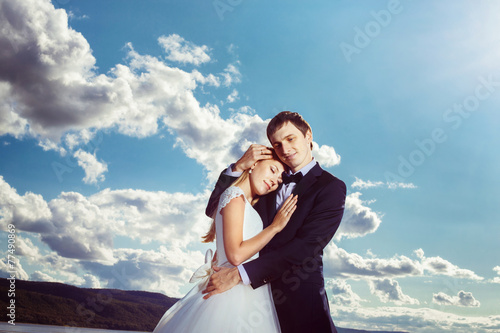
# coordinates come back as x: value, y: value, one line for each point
x: 292, y: 147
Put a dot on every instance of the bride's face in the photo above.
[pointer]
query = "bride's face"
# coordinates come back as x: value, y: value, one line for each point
x: 266, y: 176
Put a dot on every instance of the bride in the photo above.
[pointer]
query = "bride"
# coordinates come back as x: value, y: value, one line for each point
x: 237, y: 228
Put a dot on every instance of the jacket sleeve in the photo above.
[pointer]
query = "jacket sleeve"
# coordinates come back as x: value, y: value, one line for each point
x: 222, y: 184
x: 317, y: 230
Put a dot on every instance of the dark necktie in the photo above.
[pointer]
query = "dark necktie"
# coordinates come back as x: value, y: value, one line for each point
x: 287, y: 179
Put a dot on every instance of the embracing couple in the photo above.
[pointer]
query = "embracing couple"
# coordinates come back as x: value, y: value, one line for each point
x: 274, y: 211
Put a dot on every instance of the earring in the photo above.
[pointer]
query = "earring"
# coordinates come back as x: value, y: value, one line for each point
x: 250, y: 171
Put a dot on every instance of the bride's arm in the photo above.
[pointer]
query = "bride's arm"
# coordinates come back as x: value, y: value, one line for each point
x: 239, y: 250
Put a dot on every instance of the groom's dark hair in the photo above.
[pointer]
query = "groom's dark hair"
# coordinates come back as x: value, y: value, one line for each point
x: 288, y: 116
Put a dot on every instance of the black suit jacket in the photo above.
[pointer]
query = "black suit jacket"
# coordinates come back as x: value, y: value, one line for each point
x: 292, y: 261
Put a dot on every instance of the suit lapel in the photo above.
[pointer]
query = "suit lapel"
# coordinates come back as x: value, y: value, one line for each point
x: 267, y: 205
x: 309, y: 179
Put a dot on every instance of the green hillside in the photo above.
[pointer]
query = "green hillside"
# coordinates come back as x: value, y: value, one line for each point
x: 60, y: 304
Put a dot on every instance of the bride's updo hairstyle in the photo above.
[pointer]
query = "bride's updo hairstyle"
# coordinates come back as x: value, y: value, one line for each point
x: 210, y: 236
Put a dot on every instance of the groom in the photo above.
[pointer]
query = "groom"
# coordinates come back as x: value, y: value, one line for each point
x: 292, y: 261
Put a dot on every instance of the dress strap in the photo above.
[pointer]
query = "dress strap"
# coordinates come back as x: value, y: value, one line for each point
x: 229, y: 194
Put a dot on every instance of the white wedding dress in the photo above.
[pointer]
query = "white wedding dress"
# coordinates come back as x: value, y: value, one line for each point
x: 240, y: 309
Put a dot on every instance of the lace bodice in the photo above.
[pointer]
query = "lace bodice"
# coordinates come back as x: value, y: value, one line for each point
x: 252, y: 223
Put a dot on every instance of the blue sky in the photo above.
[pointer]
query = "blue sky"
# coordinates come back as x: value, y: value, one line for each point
x: 116, y: 118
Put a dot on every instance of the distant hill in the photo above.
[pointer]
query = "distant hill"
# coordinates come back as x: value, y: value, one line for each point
x: 59, y: 304
x: 52, y: 303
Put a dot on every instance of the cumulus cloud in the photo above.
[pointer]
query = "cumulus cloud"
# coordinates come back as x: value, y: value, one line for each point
x: 439, y: 266
x: 496, y: 279
x: 463, y: 298
x: 359, y: 220
x: 26, y: 248
x: 80, y: 233
x: 91, y: 281
x: 340, y: 263
x: 50, y: 145
x: 233, y: 96
x: 49, y: 81
x: 180, y: 50
x: 325, y: 155
x: 94, y: 170
x: 82, y: 227
x: 361, y: 184
x: 421, y: 320
x: 388, y: 290
x: 165, y: 270
x: 342, y: 293
x: 28, y: 212
x: 40, y: 276
x: 12, y: 266
x: 83, y: 137
x: 51, y: 90
x: 231, y: 74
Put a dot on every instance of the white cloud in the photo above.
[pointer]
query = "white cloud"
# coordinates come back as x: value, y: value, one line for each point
x: 496, y: 279
x: 29, y: 212
x: 94, y: 170
x: 342, y: 293
x: 340, y: 263
x: 180, y: 50
x: 358, y: 220
x: 388, y: 290
x: 361, y: 184
x: 233, y: 96
x: 394, y: 185
x: 10, y: 121
x: 85, y: 136
x: 82, y: 227
x: 26, y: 248
x: 421, y: 320
x: 325, y: 155
x: 12, y: 266
x: 231, y: 74
x: 440, y: 266
x: 164, y: 270
x: 41, y: 276
x: 463, y: 298
x: 49, y: 145
x: 49, y: 95
x: 48, y: 80
x: 91, y: 281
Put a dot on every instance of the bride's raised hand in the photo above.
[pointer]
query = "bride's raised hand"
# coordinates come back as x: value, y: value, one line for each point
x: 283, y: 215
x: 253, y: 154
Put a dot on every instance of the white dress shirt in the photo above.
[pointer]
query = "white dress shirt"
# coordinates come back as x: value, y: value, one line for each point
x: 284, y: 192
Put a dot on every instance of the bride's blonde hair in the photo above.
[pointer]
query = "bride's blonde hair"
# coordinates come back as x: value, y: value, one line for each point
x: 210, y: 236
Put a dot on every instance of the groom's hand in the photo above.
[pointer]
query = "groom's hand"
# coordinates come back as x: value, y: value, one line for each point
x: 222, y: 280
x: 253, y: 154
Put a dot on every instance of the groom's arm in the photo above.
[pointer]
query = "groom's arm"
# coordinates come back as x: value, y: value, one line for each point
x: 224, y: 181
x: 316, y: 232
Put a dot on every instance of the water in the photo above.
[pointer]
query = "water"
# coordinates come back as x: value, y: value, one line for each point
x: 35, y: 328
